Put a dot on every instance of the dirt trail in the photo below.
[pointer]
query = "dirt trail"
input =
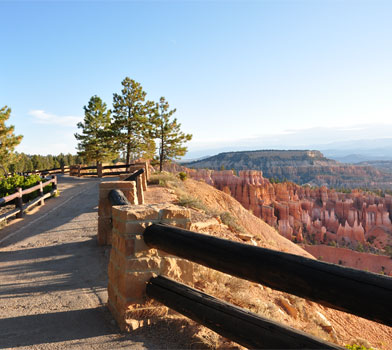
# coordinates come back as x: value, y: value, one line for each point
x: 54, y: 277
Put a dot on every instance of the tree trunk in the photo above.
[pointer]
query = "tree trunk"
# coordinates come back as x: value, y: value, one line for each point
x: 128, y: 158
x: 161, y: 150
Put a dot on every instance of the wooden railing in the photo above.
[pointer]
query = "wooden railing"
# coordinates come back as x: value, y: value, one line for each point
x: 62, y: 170
x: 354, y: 291
x: 21, y: 207
x: 79, y: 170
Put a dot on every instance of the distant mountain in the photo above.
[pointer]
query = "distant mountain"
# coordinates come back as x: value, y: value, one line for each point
x: 383, y: 165
x: 299, y: 166
x: 356, y: 151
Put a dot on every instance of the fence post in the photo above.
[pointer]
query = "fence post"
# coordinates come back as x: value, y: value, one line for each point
x: 99, y: 170
x: 54, y: 186
x: 19, y: 203
x: 79, y: 166
x: 41, y: 193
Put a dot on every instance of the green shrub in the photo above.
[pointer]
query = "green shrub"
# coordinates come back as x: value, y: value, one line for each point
x: 357, y: 347
x: 183, y: 176
x: 10, y: 184
x: 191, y: 202
x: 162, y: 179
x: 231, y: 221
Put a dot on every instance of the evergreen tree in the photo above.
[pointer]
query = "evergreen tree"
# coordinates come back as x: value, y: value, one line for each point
x: 171, y: 138
x: 96, y: 143
x: 8, y: 141
x: 130, y: 114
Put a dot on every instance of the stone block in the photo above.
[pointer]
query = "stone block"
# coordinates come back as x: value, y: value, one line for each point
x: 182, y: 223
x: 104, y: 207
x: 132, y: 285
x: 142, y: 249
x: 179, y: 269
x: 135, y: 212
x: 125, y: 245
x: 104, y: 230
x: 130, y: 227
x: 140, y: 194
x: 143, y: 264
x: 175, y: 212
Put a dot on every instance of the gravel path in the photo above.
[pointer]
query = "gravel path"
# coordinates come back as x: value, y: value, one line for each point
x: 54, y: 276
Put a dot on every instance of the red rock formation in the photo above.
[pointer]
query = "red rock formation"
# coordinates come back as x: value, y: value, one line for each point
x: 295, y: 210
x: 347, y: 257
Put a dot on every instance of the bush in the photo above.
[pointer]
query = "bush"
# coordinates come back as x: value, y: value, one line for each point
x: 231, y: 222
x: 183, y: 176
x: 357, y: 347
x: 191, y: 202
x: 10, y: 184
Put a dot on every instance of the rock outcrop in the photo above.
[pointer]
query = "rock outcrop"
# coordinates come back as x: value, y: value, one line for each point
x: 300, y: 166
x: 320, y: 215
x: 346, y: 257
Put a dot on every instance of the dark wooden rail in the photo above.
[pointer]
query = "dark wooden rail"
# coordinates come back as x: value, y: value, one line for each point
x: 239, y: 325
x: 134, y: 175
x: 78, y: 170
x: 117, y: 197
x: 116, y: 166
x: 358, y: 292
x: 18, y: 196
x: 62, y: 170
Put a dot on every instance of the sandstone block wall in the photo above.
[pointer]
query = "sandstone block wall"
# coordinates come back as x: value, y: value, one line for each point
x: 105, y: 207
x: 136, y: 167
x: 132, y: 263
x: 139, y: 186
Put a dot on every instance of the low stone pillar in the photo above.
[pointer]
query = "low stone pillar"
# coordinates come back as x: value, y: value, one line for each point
x: 133, y: 263
x: 105, y: 207
x: 144, y: 176
x: 139, y: 186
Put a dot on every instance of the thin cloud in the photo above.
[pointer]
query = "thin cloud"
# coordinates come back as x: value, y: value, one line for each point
x: 42, y: 117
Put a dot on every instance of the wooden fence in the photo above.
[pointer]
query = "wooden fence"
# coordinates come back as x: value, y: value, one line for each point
x: 99, y: 171
x: 18, y: 198
x: 81, y: 170
x: 62, y: 170
x: 354, y: 291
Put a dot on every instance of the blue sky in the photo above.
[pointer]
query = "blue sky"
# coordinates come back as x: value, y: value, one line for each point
x: 241, y: 74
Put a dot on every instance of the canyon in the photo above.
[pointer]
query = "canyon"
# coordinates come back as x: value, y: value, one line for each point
x: 300, y: 166
x: 357, y: 220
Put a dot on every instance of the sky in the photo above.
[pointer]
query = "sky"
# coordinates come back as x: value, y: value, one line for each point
x: 241, y: 74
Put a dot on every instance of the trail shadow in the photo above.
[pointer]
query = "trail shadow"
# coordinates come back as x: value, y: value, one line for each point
x: 63, y: 267
x: 54, y: 327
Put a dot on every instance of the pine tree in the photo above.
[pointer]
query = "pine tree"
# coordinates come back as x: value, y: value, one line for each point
x: 130, y: 114
x: 96, y: 142
x: 8, y: 141
x: 171, y: 138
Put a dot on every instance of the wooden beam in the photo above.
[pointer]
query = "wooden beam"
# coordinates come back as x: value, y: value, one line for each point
x: 117, y: 166
x: 134, y: 175
x: 117, y: 197
x: 8, y: 214
x: 242, y: 326
x: 358, y: 292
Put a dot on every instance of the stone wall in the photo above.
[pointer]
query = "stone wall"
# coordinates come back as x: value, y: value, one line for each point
x: 133, y: 263
x: 129, y: 189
